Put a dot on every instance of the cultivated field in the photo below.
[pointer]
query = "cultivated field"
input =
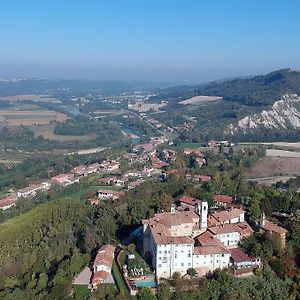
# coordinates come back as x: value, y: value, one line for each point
x: 282, y: 153
x: 270, y: 166
x: 144, y: 107
x: 198, y: 100
x: 276, y: 145
x: 11, y: 117
x: 35, y: 98
x: 12, y: 157
x: 47, y: 132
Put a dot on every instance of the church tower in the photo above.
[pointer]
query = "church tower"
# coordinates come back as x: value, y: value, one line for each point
x: 202, y: 211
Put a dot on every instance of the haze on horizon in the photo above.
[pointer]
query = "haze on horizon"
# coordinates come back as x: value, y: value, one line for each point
x: 170, y: 40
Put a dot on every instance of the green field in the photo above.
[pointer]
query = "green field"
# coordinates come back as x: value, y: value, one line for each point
x: 47, y: 132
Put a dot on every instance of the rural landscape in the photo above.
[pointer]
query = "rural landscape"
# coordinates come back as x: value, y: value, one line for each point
x: 149, y: 150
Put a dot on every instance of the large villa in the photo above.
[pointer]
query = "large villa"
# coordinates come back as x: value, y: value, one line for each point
x: 187, y: 237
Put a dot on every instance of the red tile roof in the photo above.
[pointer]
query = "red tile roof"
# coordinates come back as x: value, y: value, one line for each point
x: 223, y: 199
x: 238, y: 255
x: 188, y: 200
x: 207, y: 239
x: 269, y: 226
x: 225, y: 215
x: 203, y: 178
x: 208, y: 250
x: 99, y: 277
x: 105, y: 256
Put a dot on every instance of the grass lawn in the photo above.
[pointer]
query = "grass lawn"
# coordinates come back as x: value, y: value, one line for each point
x: 138, y: 262
x: 81, y: 292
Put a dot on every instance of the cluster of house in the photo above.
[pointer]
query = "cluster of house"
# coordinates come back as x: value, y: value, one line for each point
x: 188, y: 237
x: 198, y: 155
x: 61, y: 179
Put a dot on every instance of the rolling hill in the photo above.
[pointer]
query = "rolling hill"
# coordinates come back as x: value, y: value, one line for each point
x: 261, y: 107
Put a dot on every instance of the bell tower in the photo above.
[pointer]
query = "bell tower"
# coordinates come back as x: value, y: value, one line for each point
x: 202, y: 211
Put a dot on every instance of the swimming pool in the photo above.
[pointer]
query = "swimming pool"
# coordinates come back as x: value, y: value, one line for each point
x: 145, y: 283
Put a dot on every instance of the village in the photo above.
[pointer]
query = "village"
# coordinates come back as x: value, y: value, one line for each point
x: 190, y: 239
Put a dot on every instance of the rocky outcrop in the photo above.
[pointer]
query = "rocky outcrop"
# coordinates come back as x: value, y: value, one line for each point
x: 284, y: 114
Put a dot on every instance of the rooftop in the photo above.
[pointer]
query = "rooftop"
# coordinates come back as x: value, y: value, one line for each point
x: 223, y: 199
x: 269, y: 226
x: 238, y: 255
x: 208, y: 250
x: 105, y: 255
x: 188, y: 200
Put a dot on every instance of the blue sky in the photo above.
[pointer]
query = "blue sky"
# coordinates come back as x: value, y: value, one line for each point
x: 171, y: 40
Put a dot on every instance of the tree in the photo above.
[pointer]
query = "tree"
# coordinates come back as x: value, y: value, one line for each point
x: 164, y: 291
x: 146, y: 294
x: 192, y: 272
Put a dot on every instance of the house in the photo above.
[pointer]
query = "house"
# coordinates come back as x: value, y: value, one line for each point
x: 234, y: 215
x: 93, y: 168
x: 29, y: 191
x: 102, y: 265
x: 79, y: 171
x: 188, y: 201
x: 200, y: 161
x: 273, y: 232
x: 106, y: 194
x: 223, y: 200
x: 64, y: 179
x: 8, y: 202
x: 195, y: 151
x: 201, y: 178
x: 108, y: 180
x: 157, y: 163
x: 170, y: 155
x: 132, y: 185
x: 231, y: 235
x: 242, y: 263
x: 110, y: 166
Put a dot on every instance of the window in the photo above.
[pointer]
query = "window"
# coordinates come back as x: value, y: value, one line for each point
x: 217, y: 261
x: 189, y: 255
x: 159, y: 258
x: 175, y: 255
x: 182, y: 264
x: 222, y: 254
x: 159, y: 265
x: 189, y: 264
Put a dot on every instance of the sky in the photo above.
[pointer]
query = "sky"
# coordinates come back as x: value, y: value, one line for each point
x: 158, y: 40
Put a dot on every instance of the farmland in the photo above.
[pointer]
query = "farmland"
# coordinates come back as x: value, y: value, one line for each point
x: 198, y: 100
x: 31, y: 98
x: 47, y: 132
x: 16, y: 117
x: 271, y: 166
